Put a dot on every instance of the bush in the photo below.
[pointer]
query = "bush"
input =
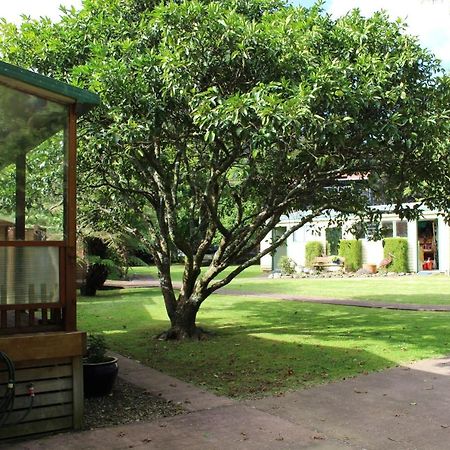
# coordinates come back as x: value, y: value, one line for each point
x: 398, y: 249
x: 351, y: 251
x: 287, y: 265
x: 312, y: 250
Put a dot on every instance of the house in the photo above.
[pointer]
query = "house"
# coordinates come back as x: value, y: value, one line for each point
x: 428, y: 240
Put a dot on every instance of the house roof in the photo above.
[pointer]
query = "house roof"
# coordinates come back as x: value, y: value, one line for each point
x: 38, y: 84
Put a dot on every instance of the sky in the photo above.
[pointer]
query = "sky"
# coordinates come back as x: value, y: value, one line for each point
x: 13, y: 9
x: 427, y: 19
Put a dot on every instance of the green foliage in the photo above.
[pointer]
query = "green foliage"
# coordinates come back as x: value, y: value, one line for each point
x: 114, y: 250
x: 96, y: 348
x: 351, y: 250
x: 312, y: 250
x: 287, y: 265
x: 44, y: 188
x: 397, y: 248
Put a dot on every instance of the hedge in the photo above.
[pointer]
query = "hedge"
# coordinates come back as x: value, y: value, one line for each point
x: 398, y: 248
x: 351, y: 251
x: 312, y: 250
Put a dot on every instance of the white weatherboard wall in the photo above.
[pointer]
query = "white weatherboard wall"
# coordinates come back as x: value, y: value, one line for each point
x: 314, y: 231
x: 444, y: 246
x: 266, y: 260
x: 372, y: 252
x: 296, y: 246
x: 413, y: 246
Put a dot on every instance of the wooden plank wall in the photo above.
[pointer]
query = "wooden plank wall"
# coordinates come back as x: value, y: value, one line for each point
x: 53, y: 404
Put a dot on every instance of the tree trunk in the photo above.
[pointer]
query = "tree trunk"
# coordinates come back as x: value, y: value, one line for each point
x: 183, y: 322
x: 96, y: 273
x: 95, y: 279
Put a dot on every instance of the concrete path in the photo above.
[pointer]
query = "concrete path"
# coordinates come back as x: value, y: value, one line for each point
x: 144, y: 282
x: 403, y: 408
x: 159, y: 384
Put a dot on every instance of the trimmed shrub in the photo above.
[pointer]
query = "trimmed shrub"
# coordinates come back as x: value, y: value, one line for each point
x: 312, y: 250
x: 287, y: 265
x: 351, y: 251
x: 398, y: 249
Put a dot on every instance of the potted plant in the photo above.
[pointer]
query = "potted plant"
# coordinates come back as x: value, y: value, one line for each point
x: 99, y: 371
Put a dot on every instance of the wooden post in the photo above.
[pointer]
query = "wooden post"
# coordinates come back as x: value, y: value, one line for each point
x: 78, y: 394
x: 20, y: 196
x: 70, y: 225
x: 19, y: 288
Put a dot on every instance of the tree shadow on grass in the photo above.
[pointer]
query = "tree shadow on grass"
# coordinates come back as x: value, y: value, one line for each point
x: 262, y: 346
x: 285, y: 346
x: 425, y: 331
x: 244, y: 366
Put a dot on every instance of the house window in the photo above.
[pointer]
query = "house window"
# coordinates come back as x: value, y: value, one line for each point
x: 401, y: 228
x: 371, y: 229
x: 397, y: 228
x: 387, y: 229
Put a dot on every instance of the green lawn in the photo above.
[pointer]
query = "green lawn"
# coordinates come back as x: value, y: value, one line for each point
x: 177, y: 271
x: 265, y: 346
x: 426, y: 290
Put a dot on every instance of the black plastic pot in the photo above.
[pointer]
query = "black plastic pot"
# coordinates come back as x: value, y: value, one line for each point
x: 99, y: 378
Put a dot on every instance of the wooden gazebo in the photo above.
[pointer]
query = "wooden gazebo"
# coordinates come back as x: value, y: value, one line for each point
x: 38, y: 332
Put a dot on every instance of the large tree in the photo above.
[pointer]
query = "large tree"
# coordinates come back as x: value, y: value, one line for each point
x: 219, y: 117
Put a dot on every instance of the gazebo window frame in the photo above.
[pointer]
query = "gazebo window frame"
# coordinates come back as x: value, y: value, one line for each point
x: 60, y: 315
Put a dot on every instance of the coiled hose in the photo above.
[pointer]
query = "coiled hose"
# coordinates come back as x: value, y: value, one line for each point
x: 7, y: 402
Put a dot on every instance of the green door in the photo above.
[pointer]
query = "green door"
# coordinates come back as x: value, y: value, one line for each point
x: 281, y: 250
x: 333, y: 237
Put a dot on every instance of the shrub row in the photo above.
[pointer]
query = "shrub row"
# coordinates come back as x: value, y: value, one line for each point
x: 351, y: 251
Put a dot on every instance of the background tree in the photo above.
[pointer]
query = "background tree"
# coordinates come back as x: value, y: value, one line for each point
x: 218, y: 118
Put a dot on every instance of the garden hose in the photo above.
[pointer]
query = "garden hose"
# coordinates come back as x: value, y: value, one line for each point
x: 7, y: 402
x: 30, y: 406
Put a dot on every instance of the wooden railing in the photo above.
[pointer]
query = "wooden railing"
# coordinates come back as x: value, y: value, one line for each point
x: 39, y: 311
x: 31, y: 318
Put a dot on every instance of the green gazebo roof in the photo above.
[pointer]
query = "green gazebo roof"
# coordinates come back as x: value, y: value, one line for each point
x: 33, y: 107
x: 18, y: 77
